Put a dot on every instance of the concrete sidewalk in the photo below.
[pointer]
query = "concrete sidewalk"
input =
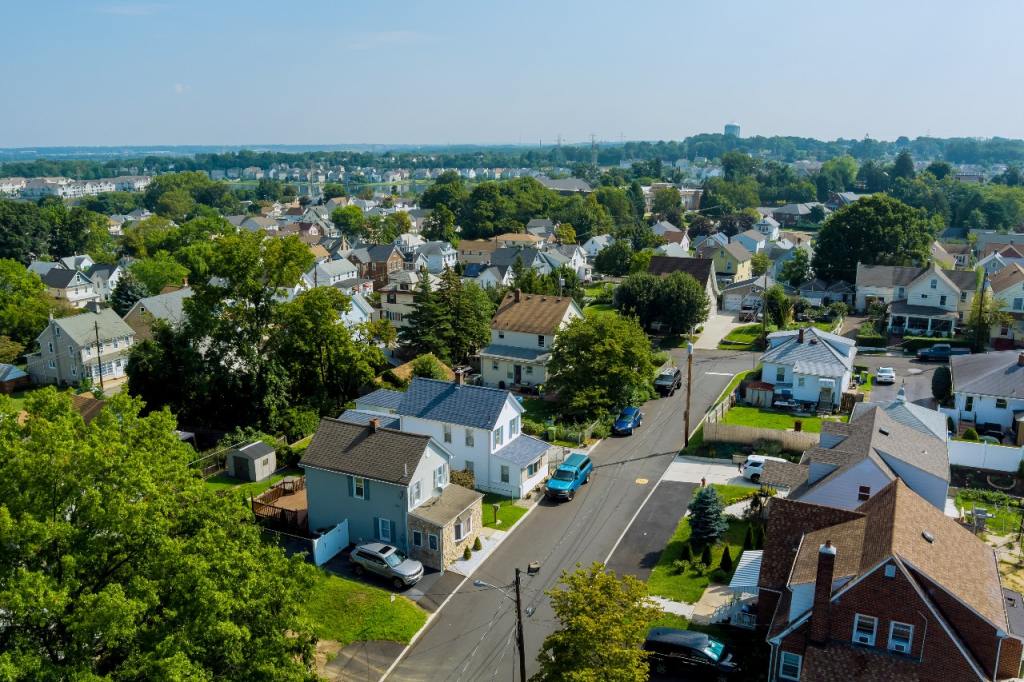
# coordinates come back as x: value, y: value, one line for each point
x: 693, y: 469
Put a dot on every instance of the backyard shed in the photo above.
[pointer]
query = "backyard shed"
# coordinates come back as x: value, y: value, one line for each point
x: 759, y: 393
x: 12, y: 378
x: 253, y: 461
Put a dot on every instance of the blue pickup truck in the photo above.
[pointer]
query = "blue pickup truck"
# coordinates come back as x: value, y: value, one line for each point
x: 941, y: 351
x: 569, y: 476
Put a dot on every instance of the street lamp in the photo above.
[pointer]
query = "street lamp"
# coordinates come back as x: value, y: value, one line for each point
x: 532, y: 569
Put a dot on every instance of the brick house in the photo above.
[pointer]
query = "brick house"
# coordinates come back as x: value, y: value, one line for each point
x: 894, y: 590
x: 377, y: 262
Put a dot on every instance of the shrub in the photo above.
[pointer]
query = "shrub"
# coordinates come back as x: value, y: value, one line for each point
x: 942, y: 384
x: 463, y: 477
x: 748, y: 539
x: 768, y: 447
x: 993, y: 497
x: 287, y: 456
x: 679, y: 566
x: 726, y: 562
x: 719, y: 576
x: 467, y: 553
x: 429, y: 367
x: 393, y: 380
x: 660, y: 359
x: 533, y: 428
x: 601, y: 430
x: 705, y: 556
x: 970, y: 434
x: 298, y: 422
x: 687, y: 553
x: 477, y: 545
x: 605, y: 294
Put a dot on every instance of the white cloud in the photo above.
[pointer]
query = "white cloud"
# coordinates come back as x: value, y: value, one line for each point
x: 131, y: 9
x: 180, y: 88
x: 380, y: 39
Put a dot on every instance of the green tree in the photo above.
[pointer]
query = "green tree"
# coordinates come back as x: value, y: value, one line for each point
x: 640, y: 261
x: 10, y: 350
x: 707, y: 516
x: 565, y: 233
x: 939, y: 169
x: 635, y: 194
x: 175, y: 205
x: 778, y: 306
x: 24, y: 231
x: 333, y: 190
x: 942, y: 384
x: 986, y: 312
x: 467, y: 314
x: 25, y: 306
x: 603, y: 623
x: 877, y: 230
x: 349, y: 220
x: 667, y: 204
x: 615, y: 258
x: 904, y: 166
x: 448, y: 190
x: 760, y: 263
x: 682, y: 303
x: 127, y: 293
x: 146, y: 573
x: 726, y: 561
x: 429, y: 326
x: 429, y: 367
x: 638, y: 296
x: 158, y: 271
x: 797, y: 269
x: 600, y: 363
x: 440, y: 225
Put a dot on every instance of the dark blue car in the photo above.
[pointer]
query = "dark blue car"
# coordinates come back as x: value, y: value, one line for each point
x: 630, y: 418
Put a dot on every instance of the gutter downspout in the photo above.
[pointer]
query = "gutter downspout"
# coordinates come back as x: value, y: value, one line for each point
x: 1000, y: 635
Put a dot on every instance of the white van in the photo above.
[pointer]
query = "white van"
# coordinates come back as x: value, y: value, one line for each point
x: 754, y: 466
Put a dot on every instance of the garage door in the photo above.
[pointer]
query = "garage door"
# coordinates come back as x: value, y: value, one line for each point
x: 732, y: 301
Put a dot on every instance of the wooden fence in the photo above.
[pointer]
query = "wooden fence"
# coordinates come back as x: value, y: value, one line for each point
x: 287, y: 519
x: 794, y: 441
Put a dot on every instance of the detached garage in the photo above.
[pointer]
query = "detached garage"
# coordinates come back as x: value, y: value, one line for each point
x: 251, y: 462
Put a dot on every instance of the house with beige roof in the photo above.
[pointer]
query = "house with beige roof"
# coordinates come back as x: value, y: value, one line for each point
x: 893, y: 590
x: 523, y: 330
x: 922, y: 301
x: 732, y: 261
x: 1007, y: 287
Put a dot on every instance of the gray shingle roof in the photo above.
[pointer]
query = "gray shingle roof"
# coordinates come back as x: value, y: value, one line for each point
x: 523, y: 450
x: 445, y: 401
x: 996, y: 374
x: 361, y: 418
x: 253, y: 450
x: 826, y: 358
x: 82, y: 327
x: 383, y: 398
x: 169, y: 307
x: 513, y: 352
x: 384, y: 455
x: 59, y: 278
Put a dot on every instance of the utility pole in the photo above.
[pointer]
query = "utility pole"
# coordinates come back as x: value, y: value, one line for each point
x: 519, y: 631
x: 689, y: 386
x: 99, y: 352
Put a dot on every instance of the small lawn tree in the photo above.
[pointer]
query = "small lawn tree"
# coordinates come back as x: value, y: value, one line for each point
x: 604, y: 620
x: 726, y: 562
x: 942, y: 384
x: 707, y: 519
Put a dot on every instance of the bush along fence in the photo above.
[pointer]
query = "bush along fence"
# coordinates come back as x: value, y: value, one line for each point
x: 794, y: 441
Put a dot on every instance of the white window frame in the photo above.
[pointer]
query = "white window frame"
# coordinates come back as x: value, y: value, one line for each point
x: 447, y: 430
x: 359, y: 487
x: 417, y: 493
x: 909, y: 641
x: 506, y: 474
x: 384, y: 529
x: 499, y: 437
x: 857, y: 619
x: 470, y: 440
x: 513, y: 427
x: 439, y: 476
x: 460, y: 531
x: 789, y: 658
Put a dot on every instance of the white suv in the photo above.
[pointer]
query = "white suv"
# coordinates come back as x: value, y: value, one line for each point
x: 754, y: 466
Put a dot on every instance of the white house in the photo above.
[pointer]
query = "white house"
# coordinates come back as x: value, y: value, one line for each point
x: 672, y: 250
x: 1008, y: 291
x: 752, y: 240
x: 854, y: 461
x: 925, y: 301
x: 481, y: 427
x: 439, y: 256
x: 523, y: 330
x: 769, y: 227
x: 809, y: 366
x: 332, y: 272
x: 597, y: 244
x: 361, y: 312
x: 104, y: 278
x: 988, y: 388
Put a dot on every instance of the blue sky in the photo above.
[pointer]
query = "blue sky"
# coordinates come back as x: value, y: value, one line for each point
x: 310, y: 71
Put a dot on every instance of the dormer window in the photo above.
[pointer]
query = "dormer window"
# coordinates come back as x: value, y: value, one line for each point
x: 934, y: 283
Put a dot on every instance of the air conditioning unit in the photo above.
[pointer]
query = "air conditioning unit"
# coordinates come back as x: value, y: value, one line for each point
x: 861, y: 638
x: 900, y: 647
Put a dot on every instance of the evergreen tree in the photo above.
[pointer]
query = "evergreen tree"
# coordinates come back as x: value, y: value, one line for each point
x: 429, y: 328
x: 127, y: 292
x: 707, y: 520
x: 687, y: 554
x: 705, y: 556
x: 748, y: 538
x: 726, y: 562
x: 942, y: 384
x: 635, y: 194
x: 760, y: 537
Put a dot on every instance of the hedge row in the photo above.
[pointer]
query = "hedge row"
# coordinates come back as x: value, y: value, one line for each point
x: 916, y: 343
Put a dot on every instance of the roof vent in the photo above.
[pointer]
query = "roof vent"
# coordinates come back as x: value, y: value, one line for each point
x: 928, y: 536
x: 884, y: 431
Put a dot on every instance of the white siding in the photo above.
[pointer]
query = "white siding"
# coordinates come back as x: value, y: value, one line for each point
x: 984, y: 410
x: 841, y: 490
x: 926, y: 485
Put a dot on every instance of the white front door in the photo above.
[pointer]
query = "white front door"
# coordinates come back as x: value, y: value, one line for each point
x: 384, y: 530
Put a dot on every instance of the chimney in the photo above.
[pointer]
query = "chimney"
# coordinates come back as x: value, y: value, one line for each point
x: 460, y: 377
x: 820, y: 616
x: 800, y: 336
x: 1020, y: 359
x: 375, y: 424
x: 518, y: 295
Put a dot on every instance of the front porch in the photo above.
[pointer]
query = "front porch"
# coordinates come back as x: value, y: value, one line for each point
x: 921, y: 320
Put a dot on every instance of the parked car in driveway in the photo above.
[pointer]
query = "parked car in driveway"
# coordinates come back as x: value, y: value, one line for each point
x: 569, y: 476
x: 754, y: 466
x: 941, y: 351
x: 388, y: 562
x: 688, y: 652
x: 885, y: 375
x: 630, y: 418
x: 668, y: 381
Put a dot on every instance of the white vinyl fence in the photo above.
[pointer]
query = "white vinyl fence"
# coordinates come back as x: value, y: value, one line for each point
x: 330, y: 543
x: 985, y: 455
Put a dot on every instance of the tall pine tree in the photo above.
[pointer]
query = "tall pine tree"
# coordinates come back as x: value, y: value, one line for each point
x: 707, y: 520
x: 429, y: 326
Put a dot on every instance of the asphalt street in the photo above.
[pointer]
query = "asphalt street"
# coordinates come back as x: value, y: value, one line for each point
x: 472, y: 637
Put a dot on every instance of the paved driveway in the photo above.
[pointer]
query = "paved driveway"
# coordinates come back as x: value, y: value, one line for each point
x: 719, y: 324
x: 639, y: 549
x: 916, y: 376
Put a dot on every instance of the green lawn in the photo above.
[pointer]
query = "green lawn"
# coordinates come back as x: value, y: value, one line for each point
x: 595, y: 289
x: 689, y: 586
x: 750, y: 373
x: 508, y: 513
x: 348, y: 611
x: 1007, y: 519
x: 539, y: 410
x: 741, y: 338
x: 600, y: 309
x: 758, y: 417
x: 671, y: 620
x: 224, y: 482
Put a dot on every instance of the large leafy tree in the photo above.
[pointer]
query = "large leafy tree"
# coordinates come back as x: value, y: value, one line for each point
x: 682, y: 303
x: 469, y: 311
x: 24, y: 304
x: 797, y: 269
x: 440, y: 225
x: 598, y: 363
x: 24, y: 231
x: 615, y: 258
x: 127, y: 292
x: 637, y: 295
x: 119, y: 564
x: 350, y: 220
x: 877, y: 230
x: 158, y: 271
x: 604, y: 620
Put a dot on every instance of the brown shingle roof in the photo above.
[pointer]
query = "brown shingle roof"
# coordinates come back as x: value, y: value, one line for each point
x: 532, y: 314
x: 701, y: 269
x: 384, y: 455
x: 1011, y: 275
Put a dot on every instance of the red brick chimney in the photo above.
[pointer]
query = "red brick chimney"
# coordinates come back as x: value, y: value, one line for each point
x: 518, y: 295
x: 375, y: 424
x: 820, y: 616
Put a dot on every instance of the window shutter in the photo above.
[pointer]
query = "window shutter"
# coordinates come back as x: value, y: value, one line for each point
x: 351, y: 486
x: 376, y: 527
x: 366, y: 488
x: 394, y: 538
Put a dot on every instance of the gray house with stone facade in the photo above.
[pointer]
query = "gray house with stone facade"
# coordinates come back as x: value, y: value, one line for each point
x: 391, y: 487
